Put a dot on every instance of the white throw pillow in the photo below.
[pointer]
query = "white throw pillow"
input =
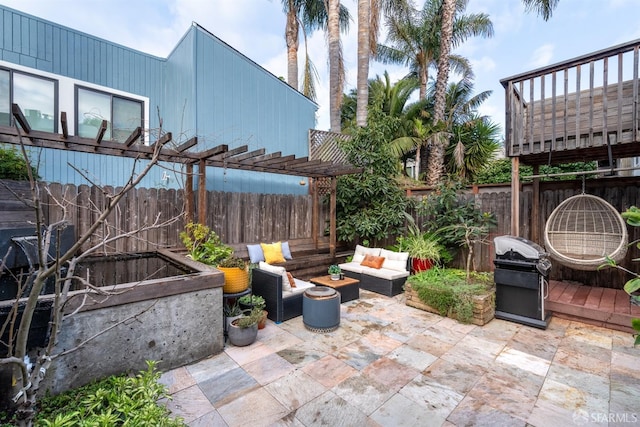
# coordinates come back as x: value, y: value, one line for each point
x: 394, y: 260
x: 286, y: 286
x: 361, y: 251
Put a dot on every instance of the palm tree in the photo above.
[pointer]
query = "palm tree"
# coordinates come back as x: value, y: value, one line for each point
x: 369, y: 12
x: 415, y: 42
x: 541, y: 7
x: 418, y: 43
x: 308, y: 15
x: 336, y: 65
x: 477, y: 144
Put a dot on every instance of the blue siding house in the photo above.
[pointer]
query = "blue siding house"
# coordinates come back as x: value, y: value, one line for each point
x: 203, y: 89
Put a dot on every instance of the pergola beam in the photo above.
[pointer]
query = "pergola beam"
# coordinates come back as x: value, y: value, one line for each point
x: 20, y: 118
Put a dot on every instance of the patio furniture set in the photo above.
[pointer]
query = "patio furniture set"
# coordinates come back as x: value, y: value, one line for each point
x: 286, y: 297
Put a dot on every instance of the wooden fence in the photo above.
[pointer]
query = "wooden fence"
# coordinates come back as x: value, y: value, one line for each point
x: 241, y: 218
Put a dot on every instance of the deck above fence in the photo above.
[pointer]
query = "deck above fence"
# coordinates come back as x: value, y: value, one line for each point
x: 582, y: 109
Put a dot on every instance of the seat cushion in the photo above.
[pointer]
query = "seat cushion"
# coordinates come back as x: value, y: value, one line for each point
x: 354, y: 267
x: 301, y: 286
x: 385, y: 273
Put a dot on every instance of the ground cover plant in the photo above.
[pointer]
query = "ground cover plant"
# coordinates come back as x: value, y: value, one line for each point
x: 113, y: 401
x: 449, y: 292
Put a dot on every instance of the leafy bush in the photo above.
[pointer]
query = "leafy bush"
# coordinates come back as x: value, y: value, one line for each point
x: 499, y: 171
x: 13, y: 166
x: 452, y: 216
x: 204, y: 245
x: 114, y: 401
x: 371, y: 205
x: 447, y: 290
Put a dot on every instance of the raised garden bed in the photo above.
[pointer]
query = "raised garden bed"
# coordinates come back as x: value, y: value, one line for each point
x: 450, y: 297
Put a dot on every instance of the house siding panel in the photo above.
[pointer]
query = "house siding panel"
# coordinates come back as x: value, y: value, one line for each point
x: 204, y: 88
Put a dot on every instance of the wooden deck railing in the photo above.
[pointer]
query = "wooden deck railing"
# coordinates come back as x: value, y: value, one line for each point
x: 589, y: 102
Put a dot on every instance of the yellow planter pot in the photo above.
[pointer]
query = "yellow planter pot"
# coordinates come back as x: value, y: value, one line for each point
x: 235, y: 280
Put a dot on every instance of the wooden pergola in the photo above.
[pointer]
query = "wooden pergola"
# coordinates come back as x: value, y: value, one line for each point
x: 220, y: 156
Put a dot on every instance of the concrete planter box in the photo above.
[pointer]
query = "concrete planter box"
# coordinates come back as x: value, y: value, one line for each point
x: 483, y: 305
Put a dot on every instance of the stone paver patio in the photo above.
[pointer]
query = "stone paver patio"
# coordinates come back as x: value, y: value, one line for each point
x: 389, y: 364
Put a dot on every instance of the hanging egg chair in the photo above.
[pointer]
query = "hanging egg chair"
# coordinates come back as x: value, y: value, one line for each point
x: 583, y: 231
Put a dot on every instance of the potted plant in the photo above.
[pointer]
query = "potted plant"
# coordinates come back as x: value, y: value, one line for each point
x: 243, y: 331
x: 236, y: 274
x: 231, y: 313
x: 204, y: 245
x: 424, y: 249
x: 255, y: 301
x: 334, y: 271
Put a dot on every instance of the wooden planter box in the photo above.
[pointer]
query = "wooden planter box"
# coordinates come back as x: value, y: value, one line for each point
x: 483, y: 305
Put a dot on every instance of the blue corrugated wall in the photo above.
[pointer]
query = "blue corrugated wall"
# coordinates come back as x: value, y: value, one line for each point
x: 204, y: 88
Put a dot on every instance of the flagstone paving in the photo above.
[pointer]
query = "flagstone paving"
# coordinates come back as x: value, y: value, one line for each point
x: 389, y: 364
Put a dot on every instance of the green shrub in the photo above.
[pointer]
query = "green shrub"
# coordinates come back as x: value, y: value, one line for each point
x: 447, y: 290
x: 114, y: 401
x: 204, y: 245
x: 13, y: 166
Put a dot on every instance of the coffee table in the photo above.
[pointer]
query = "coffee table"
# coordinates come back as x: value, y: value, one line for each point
x: 349, y: 288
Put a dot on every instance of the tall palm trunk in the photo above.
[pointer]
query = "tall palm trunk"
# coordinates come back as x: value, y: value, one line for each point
x: 364, y: 52
x: 291, y: 36
x: 440, y: 141
x: 335, y: 65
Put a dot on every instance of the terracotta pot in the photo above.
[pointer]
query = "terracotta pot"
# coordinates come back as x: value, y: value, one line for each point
x: 263, y: 321
x: 419, y: 264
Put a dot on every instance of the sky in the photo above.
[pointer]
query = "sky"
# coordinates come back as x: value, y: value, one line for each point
x: 522, y: 41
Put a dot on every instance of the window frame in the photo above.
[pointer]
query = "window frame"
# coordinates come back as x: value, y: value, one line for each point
x: 56, y: 94
x: 79, y: 87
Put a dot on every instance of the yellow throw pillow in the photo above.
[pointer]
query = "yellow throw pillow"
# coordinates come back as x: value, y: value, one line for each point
x: 272, y: 252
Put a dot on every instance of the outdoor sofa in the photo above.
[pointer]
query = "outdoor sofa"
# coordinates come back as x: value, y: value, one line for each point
x: 282, y: 302
x: 379, y: 270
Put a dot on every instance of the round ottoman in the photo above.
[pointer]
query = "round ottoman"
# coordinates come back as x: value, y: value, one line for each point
x: 321, y: 309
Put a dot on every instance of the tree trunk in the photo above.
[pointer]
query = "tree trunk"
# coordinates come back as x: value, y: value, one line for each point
x: 335, y: 62
x: 439, y: 143
x: 364, y: 51
x: 291, y: 37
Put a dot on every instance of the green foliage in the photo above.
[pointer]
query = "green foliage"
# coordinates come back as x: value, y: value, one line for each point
x: 114, y: 401
x: 371, y: 205
x: 232, y: 310
x: 420, y: 245
x: 451, y: 215
x: 334, y: 269
x: 13, y: 165
x: 231, y: 262
x: 447, y: 290
x: 250, y: 318
x: 204, y: 245
x: 255, y: 301
x: 499, y: 171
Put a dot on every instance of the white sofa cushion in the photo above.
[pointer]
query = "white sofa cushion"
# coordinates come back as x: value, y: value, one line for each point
x: 383, y: 273
x: 394, y: 260
x: 301, y: 286
x: 286, y: 286
x: 352, y: 266
x: 361, y: 251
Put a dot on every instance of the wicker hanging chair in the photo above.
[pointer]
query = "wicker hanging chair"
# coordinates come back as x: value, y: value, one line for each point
x: 583, y: 231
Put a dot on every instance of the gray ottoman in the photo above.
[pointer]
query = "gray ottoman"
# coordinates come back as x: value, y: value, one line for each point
x: 321, y: 309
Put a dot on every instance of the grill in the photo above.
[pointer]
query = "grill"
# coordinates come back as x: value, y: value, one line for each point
x: 522, y: 269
